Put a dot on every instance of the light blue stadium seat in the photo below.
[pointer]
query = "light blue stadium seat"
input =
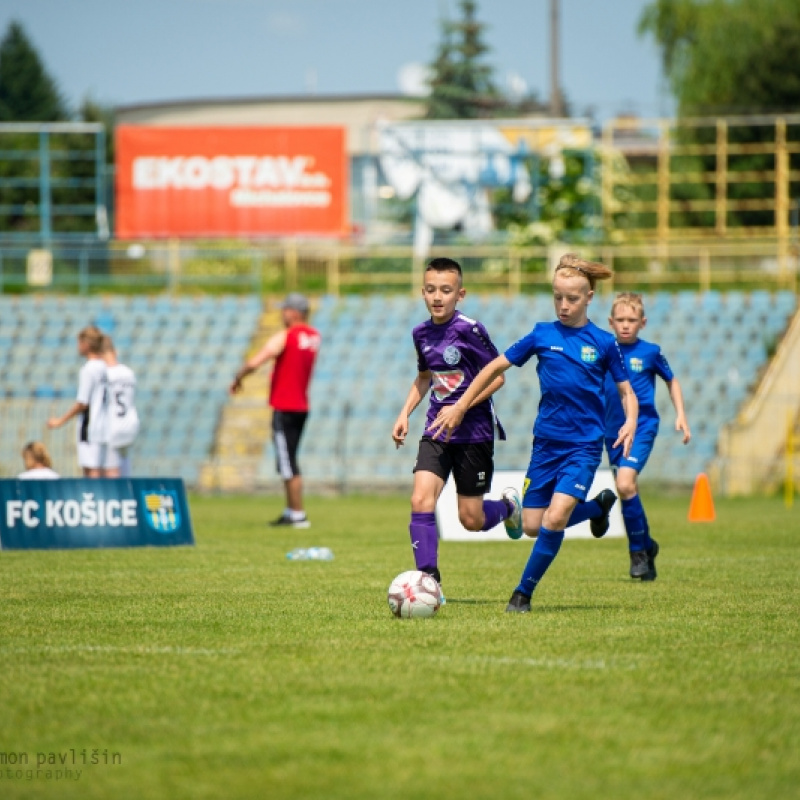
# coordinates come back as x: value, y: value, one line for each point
x: 735, y: 302
x: 786, y: 302
x: 760, y: 300
x: 686, y: 302
x: 711, y: 302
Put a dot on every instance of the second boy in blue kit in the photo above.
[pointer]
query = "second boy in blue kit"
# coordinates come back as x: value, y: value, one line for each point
x: 644, y: 361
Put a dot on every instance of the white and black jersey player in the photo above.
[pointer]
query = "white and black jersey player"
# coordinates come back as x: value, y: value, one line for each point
x: 123, y: 419
x: 90, y: 405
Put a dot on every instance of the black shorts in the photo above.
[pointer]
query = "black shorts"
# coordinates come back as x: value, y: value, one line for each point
x: 287, y: 428
x: 472, y: 464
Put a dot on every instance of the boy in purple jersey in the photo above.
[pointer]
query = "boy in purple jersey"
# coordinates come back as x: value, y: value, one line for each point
x: 451, y: 350
x: 644, y: 361
x: 573, y: 358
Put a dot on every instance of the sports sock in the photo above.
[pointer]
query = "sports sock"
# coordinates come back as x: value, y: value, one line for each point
x: 584, y: 511
x: 295, y: 516
x: 635, y: 524
x: 494, y: 512
x: 424, y: 539
x: 544, y: 551
x: 648, y: 542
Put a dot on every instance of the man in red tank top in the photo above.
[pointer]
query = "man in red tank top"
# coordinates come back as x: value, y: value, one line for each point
x: 294, y: 351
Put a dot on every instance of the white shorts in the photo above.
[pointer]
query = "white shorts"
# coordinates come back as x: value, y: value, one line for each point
x: 92, y: 455
x: 118, y: 458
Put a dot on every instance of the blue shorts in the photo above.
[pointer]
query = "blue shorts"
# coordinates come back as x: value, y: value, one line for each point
x: 640, y: 452
x: 563, y: 467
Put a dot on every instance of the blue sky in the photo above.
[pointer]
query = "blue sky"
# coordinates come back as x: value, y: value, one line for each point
x: 130, y: 51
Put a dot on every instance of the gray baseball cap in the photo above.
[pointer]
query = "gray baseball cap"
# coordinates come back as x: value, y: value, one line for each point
x: 296, y: 301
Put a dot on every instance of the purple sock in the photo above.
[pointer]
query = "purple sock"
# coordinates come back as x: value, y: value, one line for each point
x: 424, y: 539
x: 494, y: 512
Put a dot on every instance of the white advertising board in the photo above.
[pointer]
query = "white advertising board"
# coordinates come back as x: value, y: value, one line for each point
x: 452, y: 530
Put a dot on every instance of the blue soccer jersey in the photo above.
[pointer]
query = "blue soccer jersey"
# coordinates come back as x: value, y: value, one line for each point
x: 644, y: 361
x: 572, y: 366
x: 454, y: 353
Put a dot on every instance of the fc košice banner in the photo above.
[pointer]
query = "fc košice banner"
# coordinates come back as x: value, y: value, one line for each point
x: 69, y: 513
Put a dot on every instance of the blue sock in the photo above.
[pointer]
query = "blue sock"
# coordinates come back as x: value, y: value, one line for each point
x: 648, y: 540
x: 584, y: 511
x: 544, y: 551
x: 494, y: 512
x: 636, y: 524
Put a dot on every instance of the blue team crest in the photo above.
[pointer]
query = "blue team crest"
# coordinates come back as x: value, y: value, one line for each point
x: 637, y: 365
x: 588, y: 354
x: 452, y: 355
x: 161, y: 510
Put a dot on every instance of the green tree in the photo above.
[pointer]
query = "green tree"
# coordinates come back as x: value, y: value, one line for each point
x: 93, y: 111
x: 27, y: 92
x: 728, y: 56
x: 724, y: 57
x: 461, y: 82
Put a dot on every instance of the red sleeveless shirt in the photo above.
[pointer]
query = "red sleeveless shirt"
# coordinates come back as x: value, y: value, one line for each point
x: 292, y: 372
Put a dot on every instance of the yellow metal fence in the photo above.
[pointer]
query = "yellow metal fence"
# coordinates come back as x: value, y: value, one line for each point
x: 334, y: 268
x: 709, y: 178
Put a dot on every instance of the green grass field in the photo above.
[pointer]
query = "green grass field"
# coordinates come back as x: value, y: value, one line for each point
x: 225, y: 671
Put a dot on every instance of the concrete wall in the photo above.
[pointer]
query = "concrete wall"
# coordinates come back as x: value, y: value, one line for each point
x: 752, y: 447
x: 356, y: 113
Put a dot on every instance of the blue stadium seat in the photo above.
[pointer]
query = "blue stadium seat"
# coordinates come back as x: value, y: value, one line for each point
x: 785, y: 302
x: 711, y: 302
x: 760, y: 300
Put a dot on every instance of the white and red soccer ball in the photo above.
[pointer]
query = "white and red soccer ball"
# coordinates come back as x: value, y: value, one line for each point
x: 414, y: 594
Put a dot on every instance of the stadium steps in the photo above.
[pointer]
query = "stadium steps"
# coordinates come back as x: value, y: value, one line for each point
x: 245, y: 424
x: 752, y: 448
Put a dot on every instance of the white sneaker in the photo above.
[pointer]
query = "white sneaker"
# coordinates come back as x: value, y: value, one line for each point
x: 514, y: 522
x: 288, y: 522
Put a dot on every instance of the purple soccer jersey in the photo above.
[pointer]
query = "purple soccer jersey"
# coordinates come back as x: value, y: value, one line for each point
x: 455, y: 353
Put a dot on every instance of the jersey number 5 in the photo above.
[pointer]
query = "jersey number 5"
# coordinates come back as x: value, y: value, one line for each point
x: 122, y: 409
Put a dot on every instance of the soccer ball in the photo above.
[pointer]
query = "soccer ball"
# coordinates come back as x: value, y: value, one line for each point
x: 414, y: 594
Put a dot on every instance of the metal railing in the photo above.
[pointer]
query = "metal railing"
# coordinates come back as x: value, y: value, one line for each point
x: 53, y: 183
x: 702, y: 178
x: 334, y: 268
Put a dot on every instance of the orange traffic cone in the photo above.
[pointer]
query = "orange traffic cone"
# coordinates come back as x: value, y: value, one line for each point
x: 701, y: 509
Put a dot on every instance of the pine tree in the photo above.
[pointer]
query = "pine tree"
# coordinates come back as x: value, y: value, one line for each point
x: 92, y: 110
x: 27, y: 92
x: 461, y: 82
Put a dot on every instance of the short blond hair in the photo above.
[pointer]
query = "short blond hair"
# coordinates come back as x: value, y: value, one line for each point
x: 38, y: 452
x: 574, y: 266
x: 631, y: 299
x: 93, y: 336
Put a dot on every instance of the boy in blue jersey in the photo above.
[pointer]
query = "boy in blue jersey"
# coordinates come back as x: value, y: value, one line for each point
x: 574, y: 356
x: 451, y: 350
x: 644, y: 362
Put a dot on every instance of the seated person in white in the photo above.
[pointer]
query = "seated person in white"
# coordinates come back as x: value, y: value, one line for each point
x: 38, y: 465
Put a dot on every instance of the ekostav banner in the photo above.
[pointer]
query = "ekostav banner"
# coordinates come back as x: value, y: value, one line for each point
x: 231, y: 181
x: 80, y: 513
